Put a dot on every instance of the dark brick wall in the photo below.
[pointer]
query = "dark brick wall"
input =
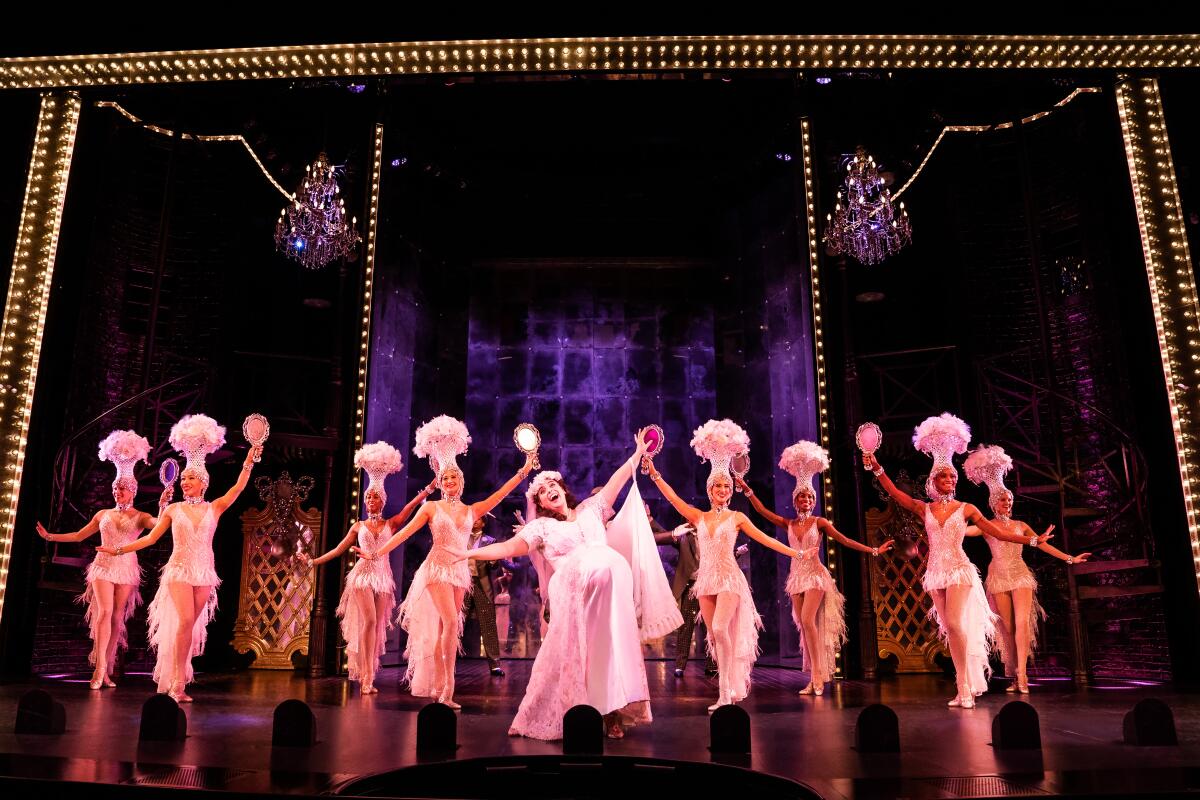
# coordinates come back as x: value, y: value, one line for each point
x: 588, y: 355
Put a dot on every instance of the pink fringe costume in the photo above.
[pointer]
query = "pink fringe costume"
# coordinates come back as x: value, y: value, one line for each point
x: 116, y: 529
x: 1008, y: 571
x: 418, y: 615
x: 719, y: 572
x: 191, y: 563
x: 809, y: 573
x: 948, y: 565
x: 374, y: 576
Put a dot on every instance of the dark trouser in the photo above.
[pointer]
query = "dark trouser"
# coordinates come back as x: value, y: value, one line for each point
x: 479, y: 603
x: 689, y: 607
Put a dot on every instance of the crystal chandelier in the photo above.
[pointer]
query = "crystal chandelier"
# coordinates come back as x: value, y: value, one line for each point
x: 864, y: 223
x: 312, y: 229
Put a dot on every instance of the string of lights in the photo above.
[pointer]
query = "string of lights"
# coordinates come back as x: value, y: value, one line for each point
x: 29, y: 295
x: 470, y: 56
x: 200, y: 137
x: 983, y: 129
x: 1169, y: 271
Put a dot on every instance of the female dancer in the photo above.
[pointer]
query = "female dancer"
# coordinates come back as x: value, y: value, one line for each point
x: 186, y: 599
x: 818, y: 608
x: 592, y: 652
x: 732, y: 621
x: 1011, y: 587
x: 432, y: 611
x: 112, y: 581
x: 369, y: 595
x: 960, y: 607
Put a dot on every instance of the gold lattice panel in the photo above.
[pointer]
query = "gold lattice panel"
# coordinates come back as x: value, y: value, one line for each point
x: 903, y: 627
x: 277, y: 591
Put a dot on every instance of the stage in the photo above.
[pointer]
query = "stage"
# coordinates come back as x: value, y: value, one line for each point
x: 337, y: 237
x: 944, y: 753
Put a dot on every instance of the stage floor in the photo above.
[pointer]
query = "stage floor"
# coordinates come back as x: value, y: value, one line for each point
x: 944, y: 753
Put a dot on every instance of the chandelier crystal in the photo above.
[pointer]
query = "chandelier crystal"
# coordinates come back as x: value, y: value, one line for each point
x: 865, y: 225
x: 312, y: 229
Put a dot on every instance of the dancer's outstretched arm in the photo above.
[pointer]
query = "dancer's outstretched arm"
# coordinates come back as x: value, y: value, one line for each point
x: 685, y: 509
x: 401, y: 516
x: 759, y: 506
x: 872, y: 464
x: 164, y: 522
x: 513, y: 548
x: 423, y: 517
x: 625, y: 471
x: 973, y: 515
x: 484, y: 506
x: 339, y: 548
x: 747, y: 527
x: 226, y: 500
x: 828, y: 529
x: 1052, y: 550
x: 93, y: 526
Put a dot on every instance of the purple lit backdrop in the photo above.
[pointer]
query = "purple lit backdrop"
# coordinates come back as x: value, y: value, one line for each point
x: 588, y: 355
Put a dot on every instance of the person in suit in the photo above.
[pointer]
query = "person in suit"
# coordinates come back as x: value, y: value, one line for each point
x: 684, y: 539
x: 480, y: 599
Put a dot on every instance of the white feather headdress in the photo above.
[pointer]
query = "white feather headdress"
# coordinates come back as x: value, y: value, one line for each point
x: 441, y: 440
x: 379, y: 460
x: 718, y: 442
x: 197, y: 436
x: 124, y: 449
x: 803, y: 460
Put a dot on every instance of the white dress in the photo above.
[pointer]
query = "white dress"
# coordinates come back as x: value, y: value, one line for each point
x: 948, y: 565
x: 372, y: 575
x: 1009, y: 571
x: 592, y: 651
x: 417, y: 615
x: 820, y: 657
x: 191, y: 563
x: 116, y: 528
x: 719, y: 572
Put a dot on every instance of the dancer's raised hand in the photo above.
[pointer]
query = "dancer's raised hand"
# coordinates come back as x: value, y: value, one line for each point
x: 640, y: 443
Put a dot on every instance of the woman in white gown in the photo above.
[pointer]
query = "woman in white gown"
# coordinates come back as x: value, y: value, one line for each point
x: 592, y: 651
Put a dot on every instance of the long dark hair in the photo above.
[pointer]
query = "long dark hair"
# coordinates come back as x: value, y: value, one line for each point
x: 542, y: 511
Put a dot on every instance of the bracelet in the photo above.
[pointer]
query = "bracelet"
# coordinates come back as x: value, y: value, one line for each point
x: 877, y: 471
x: 749, y: 493
x: 118, y: 548
x: 1033, y: 541
x: 1070, y: 559
x: 247, y: 467
x: 874, y: 551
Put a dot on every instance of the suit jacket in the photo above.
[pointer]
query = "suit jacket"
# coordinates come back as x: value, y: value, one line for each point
x: 689, y: 560
x: 482, y: 569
